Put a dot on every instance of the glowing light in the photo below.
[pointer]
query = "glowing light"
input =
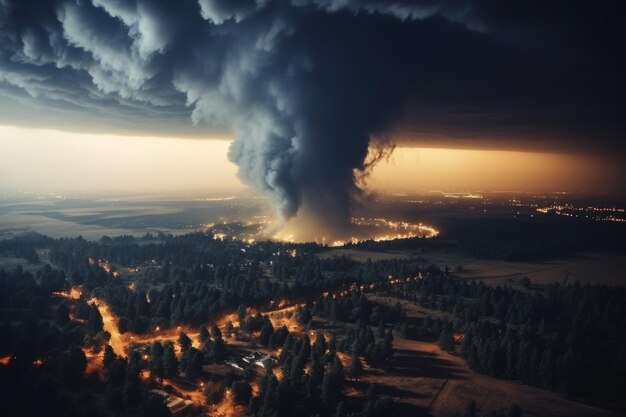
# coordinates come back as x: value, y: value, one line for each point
x: 402, y: 229
x: 389, y: 230
x: 72, y: 294
x: 611, y: 214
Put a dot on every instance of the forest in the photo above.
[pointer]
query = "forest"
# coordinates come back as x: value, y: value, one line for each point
x: 565, y: 338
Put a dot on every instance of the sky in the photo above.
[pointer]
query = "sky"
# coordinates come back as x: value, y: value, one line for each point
x: 309, y: 94
x: 102, y: 164
x: 93, y: 164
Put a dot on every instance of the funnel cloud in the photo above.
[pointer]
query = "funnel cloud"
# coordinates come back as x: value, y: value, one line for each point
x: 306, y: 87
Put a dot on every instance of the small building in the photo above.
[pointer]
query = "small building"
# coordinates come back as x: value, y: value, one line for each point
x: 238, y: 364
x: 176, y: 405
x: 259, y: 359
x: 254, y: 359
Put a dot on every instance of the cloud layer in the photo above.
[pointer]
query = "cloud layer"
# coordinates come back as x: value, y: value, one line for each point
x: 306, y: 85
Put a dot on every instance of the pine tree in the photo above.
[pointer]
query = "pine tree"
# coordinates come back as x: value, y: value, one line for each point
x: 170, y: 363
x: 94, y: 321
x: 184, y: 341
x: 109, y: 356
x: 355, y: 368
x: 446, y: 342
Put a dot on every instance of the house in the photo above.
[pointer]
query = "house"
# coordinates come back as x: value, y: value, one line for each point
x: 239, y: 364
x: 255, y: 358
x: 259, y: 359
x: 176, y: 405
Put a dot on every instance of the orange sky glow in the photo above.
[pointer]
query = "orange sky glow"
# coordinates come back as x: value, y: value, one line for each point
x: 57, y: 161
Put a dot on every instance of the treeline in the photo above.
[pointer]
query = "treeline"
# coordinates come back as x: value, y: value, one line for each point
x: 24, y: 245
x: 566, y: 338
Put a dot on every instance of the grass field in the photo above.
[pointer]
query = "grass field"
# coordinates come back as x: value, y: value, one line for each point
x: 423, y: 380
x: 587, y: 268
x: 9, y: 263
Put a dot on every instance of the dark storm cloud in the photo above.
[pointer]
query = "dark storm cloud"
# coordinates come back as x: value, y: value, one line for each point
x: 306, y: 85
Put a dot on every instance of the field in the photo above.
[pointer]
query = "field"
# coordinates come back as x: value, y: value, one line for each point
x: 9, y: 263
x: 423, y: 380
x: 93, y: 218
x: 586, y: 267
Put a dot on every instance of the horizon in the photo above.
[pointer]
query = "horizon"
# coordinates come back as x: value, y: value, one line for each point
x: 312, y: 208
x: 144, y: 164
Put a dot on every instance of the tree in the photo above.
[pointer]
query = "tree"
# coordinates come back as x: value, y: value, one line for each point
x: 62, y: 314
x: 355, y: 367
x: 170, y: 363
x: 242, y: 392
x: 94, y: 321
x: 45, y: 395
x: 204, y: 335
x: 123, y: 325
x: 332, y: 385
x: 152, y: 405
x: 82, y: 309
x: 241, y: 314
x: 184, y: 341
x: 341, y: 410
x: 191, y: 363
x: 156, y: 359
x: 72, y: 365
x: 470, y: 409
x: 387, y: 346
x: 109, y: 356
x: 303, y: 315
x: 213, y: 392
x: 319, y: 346
x: 218, y: 351
x: 446, y: 341
x: 216, y: 333
x: 266, y: 332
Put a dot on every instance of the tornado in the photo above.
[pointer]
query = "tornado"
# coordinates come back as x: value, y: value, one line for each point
x: 305, y: 87
x: 312, y: 91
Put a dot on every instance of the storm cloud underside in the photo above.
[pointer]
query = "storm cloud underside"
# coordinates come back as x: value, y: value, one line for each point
x: 306, y: 86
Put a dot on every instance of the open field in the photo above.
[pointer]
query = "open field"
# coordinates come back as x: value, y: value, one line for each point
x: 96, y: 217
x: 423, y: 380
x: 9, y: 263
x: 587, y: 267
x: 15, y: 223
